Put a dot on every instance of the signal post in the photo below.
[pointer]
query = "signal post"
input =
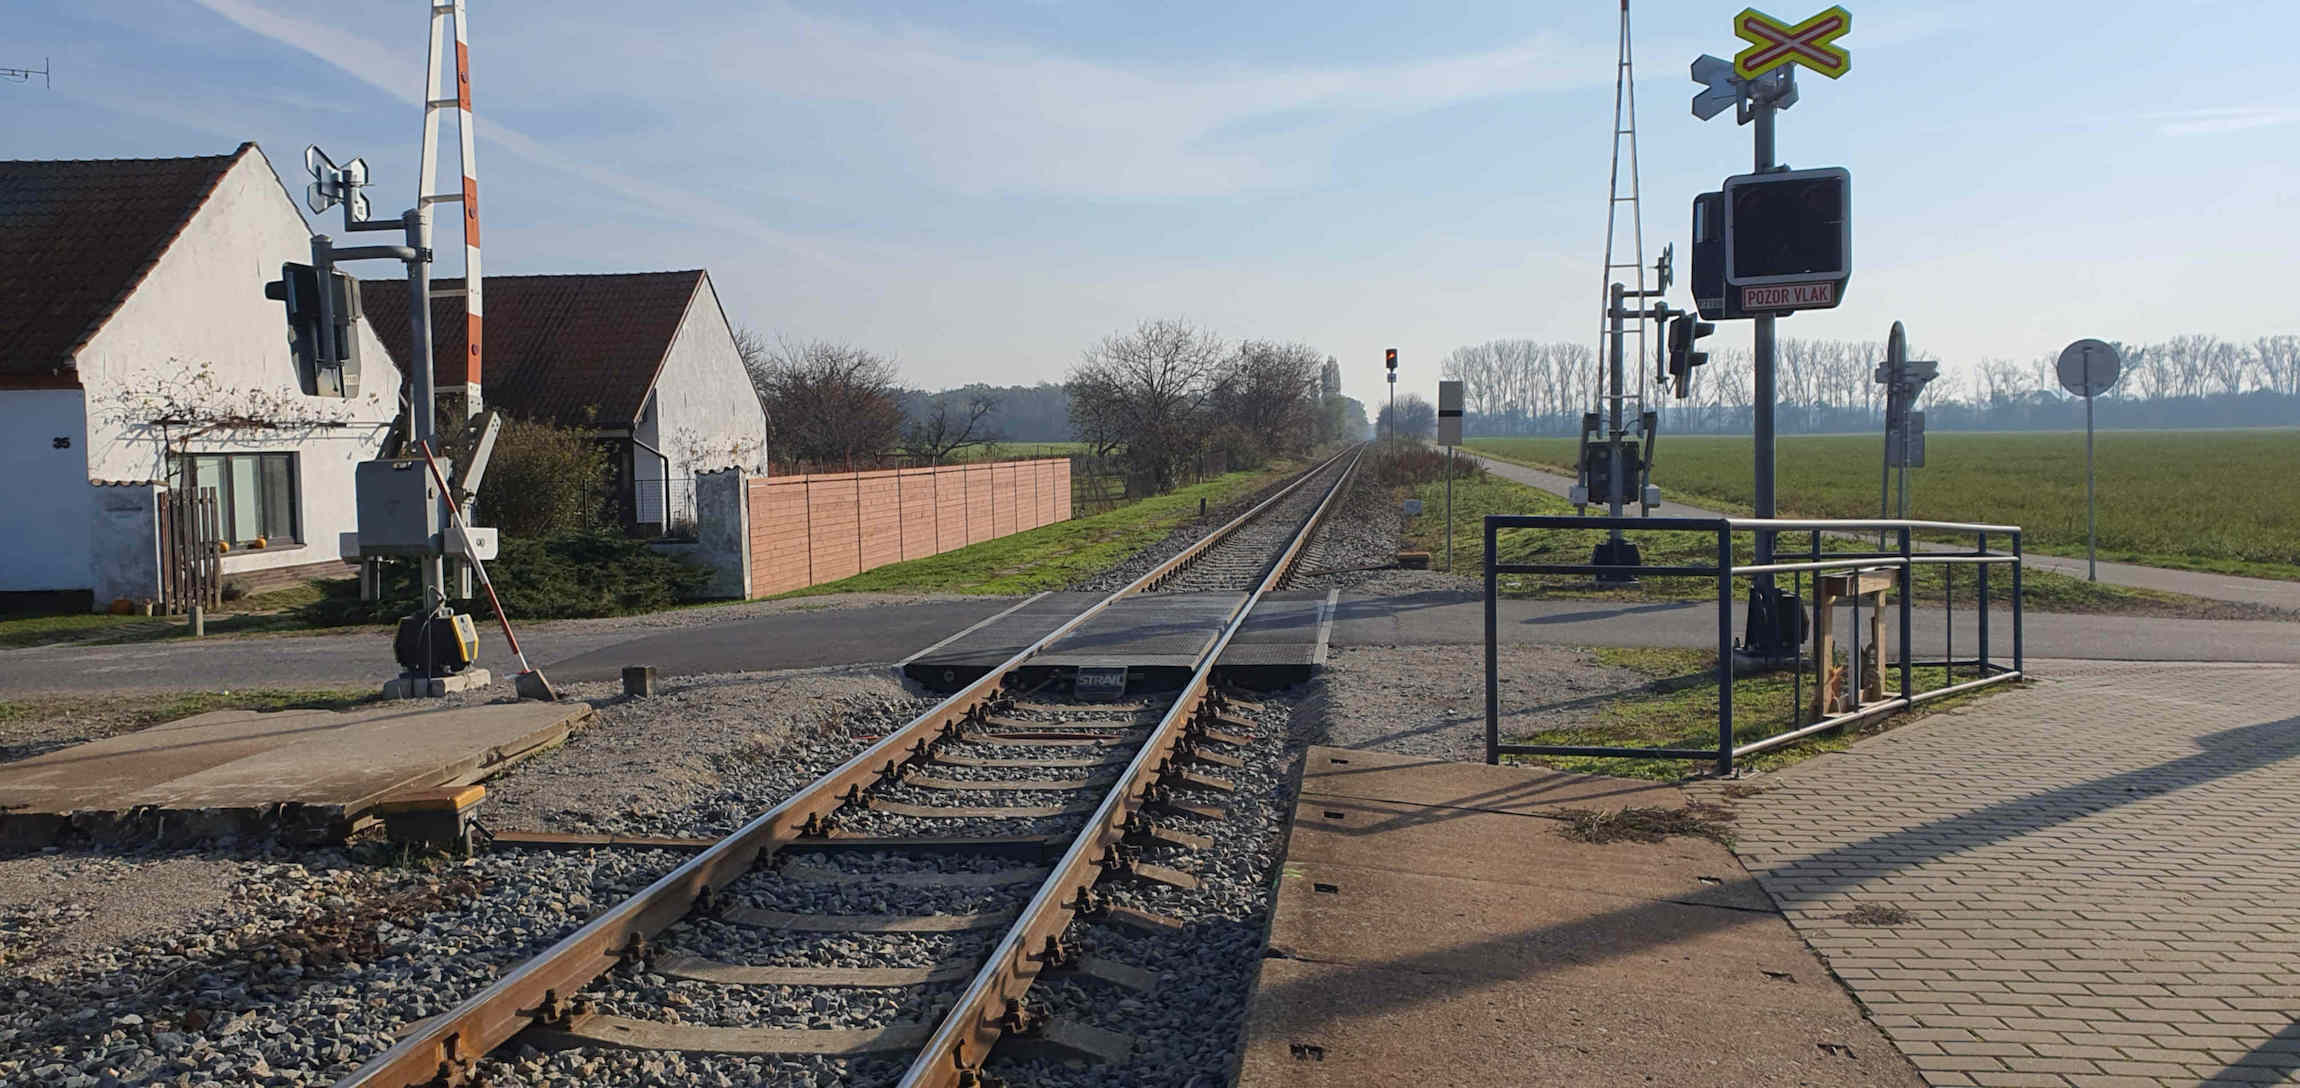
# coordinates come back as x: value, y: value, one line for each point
x: 1769, y: 243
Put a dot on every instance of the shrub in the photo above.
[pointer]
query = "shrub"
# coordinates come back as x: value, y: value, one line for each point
x: 544, y: 479
x: 563, y: 576
x: 1399, y: 463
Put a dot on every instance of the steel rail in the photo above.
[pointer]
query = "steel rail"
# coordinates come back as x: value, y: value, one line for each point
x: 993, y: 1003
x: 443, y: 1049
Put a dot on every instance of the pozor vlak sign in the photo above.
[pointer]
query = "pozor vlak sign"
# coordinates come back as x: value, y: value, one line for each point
x: 1788, y: 239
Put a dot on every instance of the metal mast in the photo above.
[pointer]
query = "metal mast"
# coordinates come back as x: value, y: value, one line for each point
x: 443, y: 14
x: 1609, y: 345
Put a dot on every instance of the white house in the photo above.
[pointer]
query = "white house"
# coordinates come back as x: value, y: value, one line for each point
x: 645, y: 360
x: 138, y: 353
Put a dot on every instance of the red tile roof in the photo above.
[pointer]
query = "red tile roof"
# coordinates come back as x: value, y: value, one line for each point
x: 76, y: 237
x: 581, y: 349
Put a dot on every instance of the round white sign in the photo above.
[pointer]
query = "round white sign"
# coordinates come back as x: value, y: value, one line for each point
x: 2088, y: 367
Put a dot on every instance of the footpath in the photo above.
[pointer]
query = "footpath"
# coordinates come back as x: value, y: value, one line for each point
x: 2089, y: 881
x: 2215, y: 587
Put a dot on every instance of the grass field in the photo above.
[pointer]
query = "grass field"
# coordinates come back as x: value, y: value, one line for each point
x: 1053, y: 556
x: 2226, y: 501
x: 1488, y: 494
x: 276, y: 611
x: 1016, y: 451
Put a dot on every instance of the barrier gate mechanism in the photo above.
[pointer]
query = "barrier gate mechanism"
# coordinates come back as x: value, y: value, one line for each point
x: 1839, y: 705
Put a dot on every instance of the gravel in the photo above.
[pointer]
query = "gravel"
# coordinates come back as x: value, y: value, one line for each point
x: 249, y: 963
x: 1182, y: 536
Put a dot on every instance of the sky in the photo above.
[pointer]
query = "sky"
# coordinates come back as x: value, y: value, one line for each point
x: 983, y: 190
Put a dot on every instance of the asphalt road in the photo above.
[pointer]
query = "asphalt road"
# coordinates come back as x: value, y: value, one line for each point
x: 885, y: 633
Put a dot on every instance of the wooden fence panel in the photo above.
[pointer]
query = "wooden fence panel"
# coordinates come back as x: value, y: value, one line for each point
x: 980, y: 515
x: 780, y: 559
x: 835, y: 521
x: 878, y: 501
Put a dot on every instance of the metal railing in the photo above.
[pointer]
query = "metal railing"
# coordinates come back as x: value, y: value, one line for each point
x: 1903, y: 561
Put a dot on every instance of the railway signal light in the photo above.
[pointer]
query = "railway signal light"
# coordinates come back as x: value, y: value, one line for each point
x: 321, y: 334
x: 1788, y: 239
x: 1685, y: 333
x: 1390, y: 356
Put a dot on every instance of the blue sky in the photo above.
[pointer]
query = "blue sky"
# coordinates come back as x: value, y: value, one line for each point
x: 982, y: 190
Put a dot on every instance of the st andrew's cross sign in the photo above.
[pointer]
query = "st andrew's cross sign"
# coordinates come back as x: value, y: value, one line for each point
x: 1774, y: 44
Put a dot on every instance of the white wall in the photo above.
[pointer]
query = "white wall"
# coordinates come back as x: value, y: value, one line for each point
x: 44, y: 535
x: 706, y: 414
x: 202, y: 308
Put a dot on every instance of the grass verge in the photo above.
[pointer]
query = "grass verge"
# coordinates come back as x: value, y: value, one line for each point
x: 279, y: 610
x: 1677, y: 708
x: 1476, y: 497
x: 1053, y: 556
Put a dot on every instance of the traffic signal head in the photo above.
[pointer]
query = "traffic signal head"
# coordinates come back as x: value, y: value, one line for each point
x: 1685, y: 332
x: 322, y: 338
x: 1390, y: 356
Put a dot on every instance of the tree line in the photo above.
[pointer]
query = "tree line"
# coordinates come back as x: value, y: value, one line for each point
x: 1526, y: 387
x: 1155, y: 399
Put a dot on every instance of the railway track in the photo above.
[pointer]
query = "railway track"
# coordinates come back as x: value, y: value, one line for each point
x: 959, y: 854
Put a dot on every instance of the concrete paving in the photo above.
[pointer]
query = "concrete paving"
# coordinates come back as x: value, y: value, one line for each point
x: 242, y: 771
x: 2271, y: 592
x: 1433, y: 928
x: 2093, y: 881
x: 886, y: 633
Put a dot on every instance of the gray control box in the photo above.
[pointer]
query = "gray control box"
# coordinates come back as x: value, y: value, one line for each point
x: 398, y: 508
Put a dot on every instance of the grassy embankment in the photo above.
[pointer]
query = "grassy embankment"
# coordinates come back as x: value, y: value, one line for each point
x: 1488, y: 494
x: 1678, y: 709
x: 1053, y: 556
x: 2224, y: 501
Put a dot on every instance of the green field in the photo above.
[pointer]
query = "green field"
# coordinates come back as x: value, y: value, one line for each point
x: 2224, y: 501
x: 1486, y: 493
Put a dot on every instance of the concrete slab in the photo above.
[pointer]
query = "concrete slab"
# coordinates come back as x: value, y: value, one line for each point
x: 298, y: 770
x: 1172, y: 630
x: 1431, y: 928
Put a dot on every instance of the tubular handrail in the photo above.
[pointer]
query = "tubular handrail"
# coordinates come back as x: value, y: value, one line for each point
x: 1903, y: 561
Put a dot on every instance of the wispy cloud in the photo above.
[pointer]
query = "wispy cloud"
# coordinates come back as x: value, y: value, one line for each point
x: 2222, y: 119
x: 396, y: 74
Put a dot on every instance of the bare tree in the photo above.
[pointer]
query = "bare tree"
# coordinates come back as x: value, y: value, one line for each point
x: 2278, y: 358
x: 1263, y: 400
x: 828, y: 404
x: 1143, y: 393
x: 1412, y: 417
x: 944, y: 431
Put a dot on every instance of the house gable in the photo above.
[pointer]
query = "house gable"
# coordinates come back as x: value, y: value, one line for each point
x: 77, y: 237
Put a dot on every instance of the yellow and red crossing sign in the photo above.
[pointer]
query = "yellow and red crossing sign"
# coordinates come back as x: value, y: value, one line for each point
x: 1774, y: 44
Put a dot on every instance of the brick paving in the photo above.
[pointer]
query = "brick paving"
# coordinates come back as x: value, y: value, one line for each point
x: 2101, y: 875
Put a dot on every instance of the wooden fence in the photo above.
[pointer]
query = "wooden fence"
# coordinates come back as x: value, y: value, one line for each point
x: 191, y: 555
x: 818, y: 528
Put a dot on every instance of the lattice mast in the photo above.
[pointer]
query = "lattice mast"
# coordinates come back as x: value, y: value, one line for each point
x: 449, y: 27
x: 1610, y: 382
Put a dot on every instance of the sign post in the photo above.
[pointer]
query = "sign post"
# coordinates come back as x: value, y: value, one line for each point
x: 2088, y: 368
x: 1449, y: 436
x: 1761, y: 82
x: 1904, y: 380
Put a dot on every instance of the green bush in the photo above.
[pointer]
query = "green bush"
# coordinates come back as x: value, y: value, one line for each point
x: 563, y: 576
x: 544, y: 479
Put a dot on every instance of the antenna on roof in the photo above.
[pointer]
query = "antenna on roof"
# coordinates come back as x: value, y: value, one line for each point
x: 24, y: 75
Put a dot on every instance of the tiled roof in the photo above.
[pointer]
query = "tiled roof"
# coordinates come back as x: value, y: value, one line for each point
x: 76, y: 237
x: 557, y: 347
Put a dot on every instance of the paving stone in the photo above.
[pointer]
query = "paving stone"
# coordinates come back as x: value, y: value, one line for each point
x: 2102, y: 873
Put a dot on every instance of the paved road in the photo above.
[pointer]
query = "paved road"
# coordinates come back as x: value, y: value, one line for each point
x: 691, y: 642
x: 2099, y: 874
x: 2216, y: 587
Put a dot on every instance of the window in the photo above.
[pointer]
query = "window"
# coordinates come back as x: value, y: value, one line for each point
x: 255, y: 493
